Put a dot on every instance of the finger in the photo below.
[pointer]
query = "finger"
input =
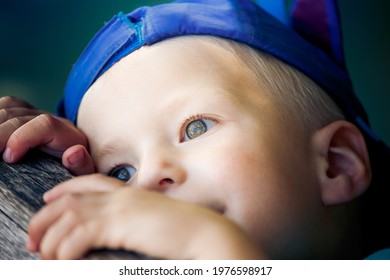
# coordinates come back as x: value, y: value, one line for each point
x: 97, y: 229
x: 15, y: 112
x: 7, y: 129
x: 41, y: 221
x: 12, y: 101
x: 78, y: 160
x: 81, y: 218
x: 56, y: 233
x: 53, y: 135
x: 12, y: 119
x: 79, y: 241
x: 87, y: 183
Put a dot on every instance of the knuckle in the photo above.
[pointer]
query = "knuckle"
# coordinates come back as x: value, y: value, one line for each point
x: 15, y: 122
x: 5, y: 114
x: 7, y: 99
x: 38, y: 124
x: 71, y: 216
x: 46, y: 120
x: 17, y: 135
x: 68, y: 200
x: 71, y: 201
x: 12, y: 101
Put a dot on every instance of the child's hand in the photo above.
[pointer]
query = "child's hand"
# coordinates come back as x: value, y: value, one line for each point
x: 23, y: 127
x: 121, y: 217
x: 84, y: 185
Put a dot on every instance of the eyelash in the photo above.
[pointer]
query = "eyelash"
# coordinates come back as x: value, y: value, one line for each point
x: 182, y: 132
x: 191, y: 118
x: 110, y: 168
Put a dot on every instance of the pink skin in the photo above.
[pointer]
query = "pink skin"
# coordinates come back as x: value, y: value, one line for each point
x: 250, y: 186
x: 23, y: 127
x: 238, y: 168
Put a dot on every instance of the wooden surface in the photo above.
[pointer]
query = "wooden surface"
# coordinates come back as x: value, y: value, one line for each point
x: 21, y: 189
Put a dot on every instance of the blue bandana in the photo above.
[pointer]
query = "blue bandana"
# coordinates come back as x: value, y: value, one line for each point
x: 310, y: 41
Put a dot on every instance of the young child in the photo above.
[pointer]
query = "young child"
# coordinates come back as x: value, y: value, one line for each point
x: 226, y: 134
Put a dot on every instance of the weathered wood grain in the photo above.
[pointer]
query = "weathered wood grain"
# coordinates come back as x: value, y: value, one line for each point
x: 21, y: 188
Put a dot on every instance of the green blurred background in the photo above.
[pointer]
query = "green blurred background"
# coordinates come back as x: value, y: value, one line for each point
x: 41, y: 39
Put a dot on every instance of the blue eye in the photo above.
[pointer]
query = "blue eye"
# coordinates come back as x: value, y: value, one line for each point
x: 123, y: 173
x: 197, y: 128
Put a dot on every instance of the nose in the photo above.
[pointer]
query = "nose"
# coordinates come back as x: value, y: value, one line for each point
x: 160, y: 173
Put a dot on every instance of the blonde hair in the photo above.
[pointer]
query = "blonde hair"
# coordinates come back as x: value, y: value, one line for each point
x: 292, y: 90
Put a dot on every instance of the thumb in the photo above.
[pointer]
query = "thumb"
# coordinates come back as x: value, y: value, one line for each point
x: 78, y: 160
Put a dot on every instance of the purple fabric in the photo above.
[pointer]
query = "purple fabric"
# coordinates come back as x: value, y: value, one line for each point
x: 318, y: 21
x: 239, y: 20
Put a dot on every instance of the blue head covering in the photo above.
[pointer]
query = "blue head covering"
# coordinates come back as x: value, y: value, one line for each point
x: 238, y: 20
x: 310, y: 41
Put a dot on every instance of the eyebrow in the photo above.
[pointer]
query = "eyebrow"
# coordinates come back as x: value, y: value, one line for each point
x: 105, y: 151
x: 112, y: 146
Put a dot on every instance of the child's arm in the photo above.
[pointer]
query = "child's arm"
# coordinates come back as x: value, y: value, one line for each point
x: 121, y: 217
x: 23, y: 127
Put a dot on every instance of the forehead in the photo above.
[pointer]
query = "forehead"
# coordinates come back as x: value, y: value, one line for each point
x: 184, y: 63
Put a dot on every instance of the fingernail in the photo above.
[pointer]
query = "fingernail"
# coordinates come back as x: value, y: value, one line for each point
x: 7, y: 155
x: 77, y: 158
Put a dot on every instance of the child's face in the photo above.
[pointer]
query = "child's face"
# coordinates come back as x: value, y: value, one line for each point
x: 192, y: 124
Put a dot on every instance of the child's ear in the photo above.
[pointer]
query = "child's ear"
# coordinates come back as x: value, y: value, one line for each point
x: 343, y: 162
